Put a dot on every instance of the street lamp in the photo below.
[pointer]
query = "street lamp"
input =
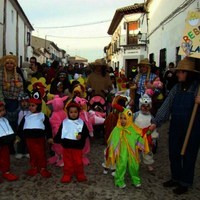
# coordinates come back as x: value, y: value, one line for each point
x: 139, y: 35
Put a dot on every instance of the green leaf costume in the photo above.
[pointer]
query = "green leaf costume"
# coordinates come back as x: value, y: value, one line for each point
x: 123, y: 145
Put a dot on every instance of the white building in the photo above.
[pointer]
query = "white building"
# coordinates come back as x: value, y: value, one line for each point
x: 166, y: 27
x: 15, y: 31
x: 161, y: 23
x: 125, y: 49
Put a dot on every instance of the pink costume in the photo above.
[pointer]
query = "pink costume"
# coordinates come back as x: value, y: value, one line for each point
x: 58, y: 115
x: 84, y: 115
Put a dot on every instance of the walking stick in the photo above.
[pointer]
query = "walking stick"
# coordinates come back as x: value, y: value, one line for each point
x: 190, y: 126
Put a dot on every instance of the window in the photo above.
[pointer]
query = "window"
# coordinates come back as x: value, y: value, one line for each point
x: 151, y: 57
x: 28, y: 38
x: 162, y: 62
x: 178, y: 57
x: 12, y: 16
x: 131, y: 28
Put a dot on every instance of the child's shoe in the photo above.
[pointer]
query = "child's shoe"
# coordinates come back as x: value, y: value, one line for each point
x: 32, y: 172
x: 81, y: 178
x: 27, y: 155
x: 60, y: 163
x: 105, y: 171
x: 122, y: 186
x: 66, y: 179
x: 18, y: 156
x: 138, y: 185
x: 113, y: 173
x: 9, y: 176
x: 45, y: 173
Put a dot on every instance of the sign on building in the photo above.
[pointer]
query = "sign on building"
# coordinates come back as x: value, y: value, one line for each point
x: 190, y: 42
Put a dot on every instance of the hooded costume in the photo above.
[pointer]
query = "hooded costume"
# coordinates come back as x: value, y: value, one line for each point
x: 57, y: 116
x: 123, y: 145
x: 72, y: 147
x: 35, y: 128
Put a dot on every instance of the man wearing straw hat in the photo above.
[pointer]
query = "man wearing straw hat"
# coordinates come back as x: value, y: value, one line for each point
x: 143, y: 80
x: 179, y: 105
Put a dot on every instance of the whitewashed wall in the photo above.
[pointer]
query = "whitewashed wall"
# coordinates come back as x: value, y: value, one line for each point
x: 1, y: 26
x: 168, y: 35
x: 11, y: 23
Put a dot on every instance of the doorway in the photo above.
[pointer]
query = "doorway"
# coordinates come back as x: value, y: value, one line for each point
x: 130, y: 65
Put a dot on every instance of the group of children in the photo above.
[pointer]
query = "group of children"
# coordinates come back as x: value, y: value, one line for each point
x: 126, y: 140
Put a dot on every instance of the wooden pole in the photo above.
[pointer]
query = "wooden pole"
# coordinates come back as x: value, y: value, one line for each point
x: 190, y: 126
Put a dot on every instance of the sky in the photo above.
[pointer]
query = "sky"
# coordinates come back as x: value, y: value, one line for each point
x: 77, y: 26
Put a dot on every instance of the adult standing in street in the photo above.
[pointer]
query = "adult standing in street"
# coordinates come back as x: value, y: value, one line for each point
x: 143, y: 81
x: 12, y: 84
x: 52, y: 72
x: 170, y: 78
x: 179, y: 106
x: 99, y: 80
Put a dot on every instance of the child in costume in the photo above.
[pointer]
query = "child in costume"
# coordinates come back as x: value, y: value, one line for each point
x: 84, y: 115
x: 109, y: 124
x: 72, y: 135
x: 36, y: 127
x: 21, y: 149
x: 142, y: 119
x: 6, y: 136
x: 122, y: 149
x: 57, y: 116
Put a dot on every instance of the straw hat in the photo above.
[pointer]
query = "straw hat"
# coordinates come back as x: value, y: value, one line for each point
x: 145, y: 61
x: 9, y: 57
x: 99, y: 62
x: 187, y: 64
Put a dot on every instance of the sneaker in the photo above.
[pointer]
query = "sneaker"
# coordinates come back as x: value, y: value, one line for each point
x: 105, y: 171
x: 122, y: 186
x: 9, y: 176
x: 27, y: 155
x: 170, y: 183
x: 81, y: 178
x: 18, y: 156
x: 180, y: 190
x: 138, y: 185
x: 32, y: 172
x: 45, y: 173
x: 113, y: 173
x: 65, y: 179
x: 150, y: 168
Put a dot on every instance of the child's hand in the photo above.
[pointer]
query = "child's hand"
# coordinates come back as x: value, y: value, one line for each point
x: 197, y: 99
x: 50, y: 141
x: 152, y: 127
x: 17, y: 139
x: 78, y: 137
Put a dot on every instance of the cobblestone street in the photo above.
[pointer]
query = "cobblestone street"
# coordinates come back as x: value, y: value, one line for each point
x: 98, y: 186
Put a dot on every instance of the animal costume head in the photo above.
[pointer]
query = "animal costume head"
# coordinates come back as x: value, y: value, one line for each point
x: 36, y: 98
x: 57, y: 102
x: 145, y: 100
x: 127, y: 112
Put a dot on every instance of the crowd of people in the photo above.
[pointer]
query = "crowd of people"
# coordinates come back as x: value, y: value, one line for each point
x: 62, y: 106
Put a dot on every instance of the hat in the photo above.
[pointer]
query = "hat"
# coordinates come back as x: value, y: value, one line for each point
x: 62, y: 75
x: 145, y: 100
x: 187, y: 64
x: 6, y: 57
x: 99, y: 62
x: 73, y: 104
x: 2, y: 103
x: 35, y: 97
x: 23, y: 96
x: 145, y: 61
